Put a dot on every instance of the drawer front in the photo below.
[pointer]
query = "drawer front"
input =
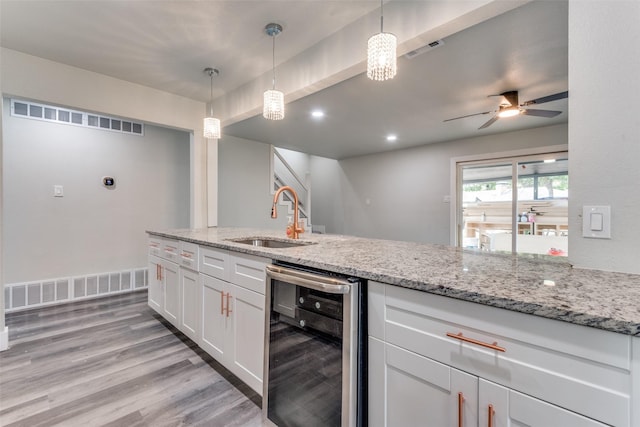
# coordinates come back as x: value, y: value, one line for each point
x: 214, y: 262
x: 171, y: 250
x: 189, y: 255
x: 582, y: 369
x: 248, y: 271
x: 155, y: 246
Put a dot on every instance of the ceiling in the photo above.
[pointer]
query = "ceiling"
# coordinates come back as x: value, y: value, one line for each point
x: 166, y: 45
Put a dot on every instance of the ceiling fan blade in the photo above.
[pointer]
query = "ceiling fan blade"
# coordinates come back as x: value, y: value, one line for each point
x: 541, y: 113
x: 549, y: 98
x: 468, y: 115
x: 489, y: 123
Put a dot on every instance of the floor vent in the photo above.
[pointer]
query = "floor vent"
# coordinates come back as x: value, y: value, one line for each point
x: 20, y: 296
x: 423, y: 49
x: 50, y: 113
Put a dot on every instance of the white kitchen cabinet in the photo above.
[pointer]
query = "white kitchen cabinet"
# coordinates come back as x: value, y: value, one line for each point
x: 189, y: 299
x: 508, y: 408
x: 190, y: 291
x: 410, y: 390
x: 548, y: 369
x: 164, y: 279
x: 413, y: 390
x: 170, y: 275
x: 155, y: 290
x: 215, y: 319
x: 233, y: 314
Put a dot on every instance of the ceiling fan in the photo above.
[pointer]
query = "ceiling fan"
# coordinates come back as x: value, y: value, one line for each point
x: 511, y: 107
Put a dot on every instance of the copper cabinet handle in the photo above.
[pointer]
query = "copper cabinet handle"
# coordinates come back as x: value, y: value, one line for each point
x: 460, y: 403
x: 491, y: 414
x: 186, y: 255
x: 221, y: 303
x: 493, y: 346
x: 157, y: 271
x: 228, y: 305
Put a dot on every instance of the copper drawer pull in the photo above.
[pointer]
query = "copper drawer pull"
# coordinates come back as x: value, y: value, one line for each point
x: 460, y: 403
x: 221, y: 303
x: 186, y: 255
x: 491, y: 414
x: 228, y: 306
x: 460, y: 337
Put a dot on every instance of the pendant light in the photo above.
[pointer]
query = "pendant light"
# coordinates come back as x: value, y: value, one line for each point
x: 381, y: 54
x: 273, y: 108
x: 211, y: 124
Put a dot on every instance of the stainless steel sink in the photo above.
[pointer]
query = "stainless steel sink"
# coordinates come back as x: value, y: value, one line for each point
x: 267, y: 242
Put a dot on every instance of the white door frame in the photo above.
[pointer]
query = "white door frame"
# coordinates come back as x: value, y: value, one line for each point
x: 455, y: 219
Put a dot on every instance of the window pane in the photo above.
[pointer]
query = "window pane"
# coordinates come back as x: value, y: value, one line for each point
x: 92, y: 120
x: 20, y: 108
x: 486, y: 207
x: 50, y: 113
x: 543, y: 188
x: 105, y: 123
x: 35, y: 111
x: 76, y: 118
x: 63, y: 116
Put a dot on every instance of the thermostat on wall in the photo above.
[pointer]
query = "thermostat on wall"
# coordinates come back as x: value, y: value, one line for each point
x: 109, y: 181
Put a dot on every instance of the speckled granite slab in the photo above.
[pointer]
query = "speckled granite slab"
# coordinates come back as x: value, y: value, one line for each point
x: 539, y: 285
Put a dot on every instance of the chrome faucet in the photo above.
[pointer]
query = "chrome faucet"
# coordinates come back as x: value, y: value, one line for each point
x: 297, y: 229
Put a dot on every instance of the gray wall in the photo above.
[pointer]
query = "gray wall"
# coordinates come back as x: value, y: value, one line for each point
x: 399, y: 195
x: 244, y: 196
x: 90, y: 229
x: 604, y: 141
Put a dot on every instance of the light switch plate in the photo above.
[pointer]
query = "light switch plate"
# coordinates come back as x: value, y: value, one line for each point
x: 58, y: 191
x: 596, y: 222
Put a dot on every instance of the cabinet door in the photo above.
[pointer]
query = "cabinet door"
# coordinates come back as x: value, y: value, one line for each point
x: 245, y: 355
x: 407, y: 390
x: 171, y: 296
x: 189, y: 297
x: 510, y: 408
x: 214, y: 319
x: 155, y: 290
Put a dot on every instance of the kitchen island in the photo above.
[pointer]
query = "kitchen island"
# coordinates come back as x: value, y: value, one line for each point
x: 533, y: 284
x: 456, y: 337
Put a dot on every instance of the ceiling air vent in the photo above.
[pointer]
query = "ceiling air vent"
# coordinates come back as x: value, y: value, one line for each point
x: 423, y: 49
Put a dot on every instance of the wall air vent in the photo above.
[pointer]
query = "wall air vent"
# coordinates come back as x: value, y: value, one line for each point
x: 423, y: 49
x: 50, y: 113
x: 20, y: 296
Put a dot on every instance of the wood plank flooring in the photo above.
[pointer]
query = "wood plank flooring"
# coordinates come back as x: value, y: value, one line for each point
x: 114, y: 362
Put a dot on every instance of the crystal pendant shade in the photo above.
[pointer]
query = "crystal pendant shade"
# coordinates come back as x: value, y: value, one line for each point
x: 381, y: 57
x: 273, y: 105
x: 211, y: 128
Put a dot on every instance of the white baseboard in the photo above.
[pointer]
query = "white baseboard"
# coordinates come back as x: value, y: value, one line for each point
x: 4, y: 339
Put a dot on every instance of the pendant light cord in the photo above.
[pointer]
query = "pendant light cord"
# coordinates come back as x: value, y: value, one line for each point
x: 381, y: 17
x: 211, y: 94
x: 274, y: 60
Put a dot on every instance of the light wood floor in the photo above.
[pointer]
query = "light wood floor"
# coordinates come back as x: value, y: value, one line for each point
x: 114, y: 362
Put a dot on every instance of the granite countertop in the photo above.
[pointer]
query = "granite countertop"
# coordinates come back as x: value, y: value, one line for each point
x: 534, y: 284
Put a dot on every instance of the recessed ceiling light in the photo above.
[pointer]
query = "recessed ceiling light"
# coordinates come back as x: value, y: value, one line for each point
x: 317, y: 114
x: 392, y: 138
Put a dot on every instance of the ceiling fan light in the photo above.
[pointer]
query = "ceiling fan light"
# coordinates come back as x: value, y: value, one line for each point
x: 211, y: 128
x: 381, y: 57
x: 273, y: 106
x: 509, y: 112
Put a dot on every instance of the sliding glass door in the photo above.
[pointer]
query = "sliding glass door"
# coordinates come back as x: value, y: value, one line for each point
x: 515, y: 205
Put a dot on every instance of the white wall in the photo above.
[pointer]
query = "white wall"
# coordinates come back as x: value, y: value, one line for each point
x: 244, y: 196
x: 399, y: 195
x: 327, y: 206
x: 91, y: 229
x: 604, y: 129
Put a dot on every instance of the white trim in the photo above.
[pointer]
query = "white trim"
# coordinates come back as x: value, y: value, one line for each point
x: 4, y: 339
x: 453, y: 180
